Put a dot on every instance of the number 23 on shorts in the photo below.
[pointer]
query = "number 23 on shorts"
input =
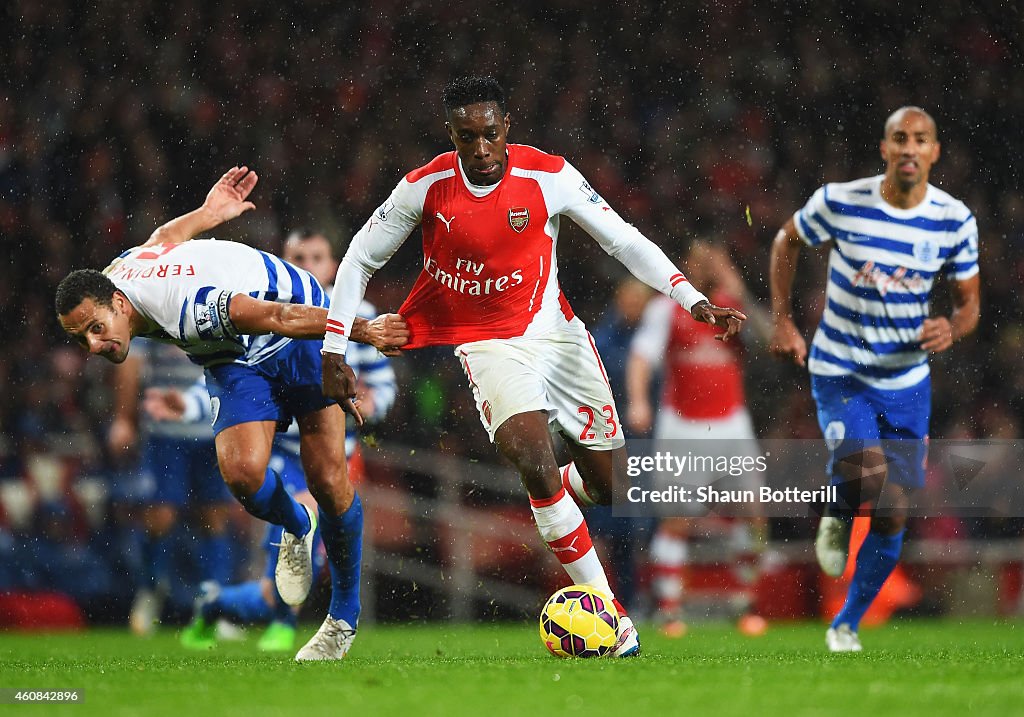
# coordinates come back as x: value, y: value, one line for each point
x: 588, y: 434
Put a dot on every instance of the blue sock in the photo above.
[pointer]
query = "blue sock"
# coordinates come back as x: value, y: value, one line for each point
x: 273, y: 504
x: 876, y: 559
x: 156, y: 559
x: 240, y: 603
x: 343, y: 538
x: 215, y: 558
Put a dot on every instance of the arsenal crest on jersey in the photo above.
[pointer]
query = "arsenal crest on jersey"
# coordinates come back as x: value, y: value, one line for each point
x: 518, y: 218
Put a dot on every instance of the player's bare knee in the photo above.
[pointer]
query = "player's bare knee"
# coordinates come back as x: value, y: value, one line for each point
x: 243, y: 474
x: 332, y: 490
x: 867, y: 471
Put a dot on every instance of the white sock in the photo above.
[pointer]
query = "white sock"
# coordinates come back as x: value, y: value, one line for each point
x: 563, y: 528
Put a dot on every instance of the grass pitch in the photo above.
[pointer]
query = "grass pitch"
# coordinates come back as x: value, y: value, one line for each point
x: 908, y: 668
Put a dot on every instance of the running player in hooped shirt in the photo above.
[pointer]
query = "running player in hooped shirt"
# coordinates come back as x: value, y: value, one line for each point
x: 890, y: 237
x: 490, y: 213
x: 255, y: 324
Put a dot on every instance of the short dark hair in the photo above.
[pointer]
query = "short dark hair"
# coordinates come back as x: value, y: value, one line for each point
x: 83, y: 284
x: 464, y: 91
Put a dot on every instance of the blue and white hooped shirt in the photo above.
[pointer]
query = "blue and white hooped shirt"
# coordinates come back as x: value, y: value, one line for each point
x: 186, y: 288
x: 881, y: 269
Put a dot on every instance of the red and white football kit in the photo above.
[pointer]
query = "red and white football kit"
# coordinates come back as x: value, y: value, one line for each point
x: 489, y: 285
x: 702, y: 386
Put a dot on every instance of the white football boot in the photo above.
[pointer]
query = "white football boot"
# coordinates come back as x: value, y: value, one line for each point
x: 331, y: 642
x: 832, y: 545
x: 842, y: 639
x: 628, y: 644
x: 294, y: 572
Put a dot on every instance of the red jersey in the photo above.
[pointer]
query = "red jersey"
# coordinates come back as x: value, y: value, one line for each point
x: 702, y: 377
x: 489, y: 253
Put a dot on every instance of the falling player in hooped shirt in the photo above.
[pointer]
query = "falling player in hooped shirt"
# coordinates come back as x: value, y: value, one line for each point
x: 490, y: 213
x: 254, y: 323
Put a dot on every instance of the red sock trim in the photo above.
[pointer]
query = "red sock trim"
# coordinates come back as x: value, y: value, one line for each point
x: 545, y: 502
x: 618, y: 607
x: 572, y: 547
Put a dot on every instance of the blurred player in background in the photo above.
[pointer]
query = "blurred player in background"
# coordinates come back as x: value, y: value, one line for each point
x: 891, y: 237
x: 258, y: 601
x: 254, y: 322
x: 177, y: 472
x: 702, y: 398
x: 490, y: 213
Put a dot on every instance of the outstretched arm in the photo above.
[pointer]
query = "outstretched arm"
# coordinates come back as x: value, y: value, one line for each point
x: 786, y: 341
x: 644, y: 259
x: 225, y: 201
x: 387, y: 333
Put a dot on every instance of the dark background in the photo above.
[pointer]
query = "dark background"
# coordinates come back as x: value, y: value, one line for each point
x: 116, y: 116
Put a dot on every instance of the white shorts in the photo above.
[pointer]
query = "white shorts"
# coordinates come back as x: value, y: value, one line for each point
x: 560, y: 373
x: 729, y: 436
x: 671, y: 425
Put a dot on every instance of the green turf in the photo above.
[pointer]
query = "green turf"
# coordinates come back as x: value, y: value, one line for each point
x: 908, y: 668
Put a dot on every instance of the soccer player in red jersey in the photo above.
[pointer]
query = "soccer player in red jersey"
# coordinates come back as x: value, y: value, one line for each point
x: 490, y: 214
x: 702, y: 399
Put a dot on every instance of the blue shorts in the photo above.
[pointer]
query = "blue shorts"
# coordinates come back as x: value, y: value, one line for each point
x: 282, y: 387
x: 179, y: 472
x: 854, y: 416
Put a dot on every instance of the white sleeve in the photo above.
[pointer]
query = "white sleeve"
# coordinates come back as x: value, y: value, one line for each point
x: 963, y: 261
x: 371, y: 247
x: 621, y: 240
x: 651, y: 337
x: 810, y: 221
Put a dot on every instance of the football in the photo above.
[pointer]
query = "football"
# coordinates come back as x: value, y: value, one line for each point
x: 578, y: 621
